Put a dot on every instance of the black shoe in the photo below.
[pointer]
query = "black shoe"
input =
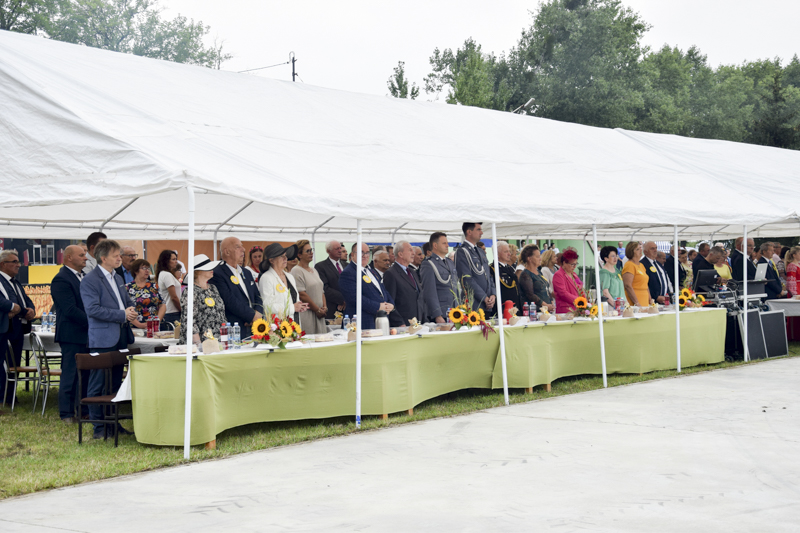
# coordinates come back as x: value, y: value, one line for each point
x: 123, y: 431
x: 97, y: 435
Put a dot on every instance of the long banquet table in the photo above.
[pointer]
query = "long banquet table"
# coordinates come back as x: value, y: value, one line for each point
x: 247, y: 386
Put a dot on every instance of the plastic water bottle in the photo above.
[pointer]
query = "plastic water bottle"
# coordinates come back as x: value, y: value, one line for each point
x: 48, y: 322
x: 223, y: 336
x: 525, y: 309
x: 345, y: 321
x: 237, y: 335
x: 448, y: 314
x: 532, y: 311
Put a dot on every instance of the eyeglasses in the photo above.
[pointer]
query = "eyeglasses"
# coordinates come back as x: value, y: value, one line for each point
x: 130, y: 255
x: 15, y: 262
x: 573, y: 264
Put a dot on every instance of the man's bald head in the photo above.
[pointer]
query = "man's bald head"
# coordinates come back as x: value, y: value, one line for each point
x: 75, y: 257
x: 231, y: 251
x: 650, y: 250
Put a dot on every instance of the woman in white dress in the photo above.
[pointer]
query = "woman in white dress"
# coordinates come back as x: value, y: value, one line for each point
x: 278, y: 288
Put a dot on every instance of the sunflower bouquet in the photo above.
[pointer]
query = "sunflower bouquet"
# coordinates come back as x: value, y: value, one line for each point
x: 462, y: 316
x: 688, y: 298
x: 277, y: 332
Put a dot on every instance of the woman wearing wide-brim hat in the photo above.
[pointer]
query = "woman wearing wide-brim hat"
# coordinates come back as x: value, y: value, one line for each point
x: 209, y: 309
x: 278, y: 288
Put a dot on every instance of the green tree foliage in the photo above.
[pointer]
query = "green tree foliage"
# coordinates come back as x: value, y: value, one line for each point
x: 398, y: 84
x: 470, y: 77
x: 583, y: 61
x: 128, y: 26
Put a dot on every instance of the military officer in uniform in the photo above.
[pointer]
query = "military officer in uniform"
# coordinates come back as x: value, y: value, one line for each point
x: 509, y: 288
x: 473, y: 268
x: 439, y: 280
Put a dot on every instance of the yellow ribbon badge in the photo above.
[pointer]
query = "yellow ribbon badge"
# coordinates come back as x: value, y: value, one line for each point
x: 234, y: 280
x: 367, y: 279
x: 652, y: 269
x: 210, y: 302
x: 280, y: 288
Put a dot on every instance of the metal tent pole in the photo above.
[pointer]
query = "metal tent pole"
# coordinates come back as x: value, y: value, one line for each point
x: 745, y: 264
x: 359, y: 289
x: 189, y: 327
x: 675, y: 297
x: 313, y: 238
x: 600, y: 316
x: 499, y: 313
x: 245, y: 206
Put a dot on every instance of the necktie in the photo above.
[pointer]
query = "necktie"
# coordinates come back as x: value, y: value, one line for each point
x: 411, y: 277
x: 18, y: 290
x: 338, y: 267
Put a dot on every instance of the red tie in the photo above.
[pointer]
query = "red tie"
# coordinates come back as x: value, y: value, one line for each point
x: 338, y: 267
x: 411, y: 276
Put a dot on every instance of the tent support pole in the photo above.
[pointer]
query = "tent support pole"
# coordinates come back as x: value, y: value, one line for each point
x: 248, y: 204
x: 360, y: 272
x: 745, y: 304
x: 600, y: 316
x: 189, y: 327
x: 313, y: 238
x: 395, y: 230
x: 112, y: 217
x: 583, y: 256
x: 498, y: 309
x: 676, y: 260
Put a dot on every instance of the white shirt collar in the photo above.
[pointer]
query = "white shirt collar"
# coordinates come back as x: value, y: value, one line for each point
x: 8, y: 278
x: 79, y: 275
x: 469, y: 243
x: 335, y: 262
x: 373, y: 278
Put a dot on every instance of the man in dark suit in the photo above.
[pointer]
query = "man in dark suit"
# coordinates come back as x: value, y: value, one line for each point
x: 236, y: 285
x: 670, y: 269
x: 658, y: 282
x: 773, y: 288
x: 374, y: 296
x: 738, y: 260
x: 128, y: 255
x: 509, y: 288
x: 404, y: 285
x: 72, y: 328
x: 109, y: 312
x: 18, y: 312
x: 329, y: 271
x: 473, y: 268
x: 703, y: 249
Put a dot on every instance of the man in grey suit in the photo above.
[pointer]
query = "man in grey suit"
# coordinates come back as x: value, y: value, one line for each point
x: 329, y: 271
x: 440, y: 286
x: 109, y: 311
x: 404, y: 286
x: 473, y: 268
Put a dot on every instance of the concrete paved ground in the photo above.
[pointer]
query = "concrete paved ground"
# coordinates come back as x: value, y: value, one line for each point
x: 718, y: 451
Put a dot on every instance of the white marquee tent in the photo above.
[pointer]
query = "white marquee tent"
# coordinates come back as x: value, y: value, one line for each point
x: 91, y: 139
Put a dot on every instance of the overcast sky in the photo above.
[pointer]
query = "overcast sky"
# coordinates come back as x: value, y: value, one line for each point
x: 353, y: 45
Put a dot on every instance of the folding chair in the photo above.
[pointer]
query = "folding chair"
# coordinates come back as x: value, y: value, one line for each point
x: 14, y: 375
x: 42, y: 358
x: 105, y: 362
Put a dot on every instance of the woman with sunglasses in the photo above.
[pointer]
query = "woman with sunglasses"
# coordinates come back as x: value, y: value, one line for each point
x: 311, y: 290
x: 566, y: 284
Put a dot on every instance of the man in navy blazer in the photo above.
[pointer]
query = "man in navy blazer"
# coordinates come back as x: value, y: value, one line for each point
x: 236, y: 285
x: 109, y: 311
x: 17, y: 311
x: 374, y: 296
x: 72, y: 327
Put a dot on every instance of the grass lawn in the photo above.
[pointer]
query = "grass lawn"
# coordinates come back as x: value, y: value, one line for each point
x: 38, y: 453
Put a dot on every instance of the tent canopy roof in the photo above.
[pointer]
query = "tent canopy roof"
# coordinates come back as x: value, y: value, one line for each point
x: 86, y: 131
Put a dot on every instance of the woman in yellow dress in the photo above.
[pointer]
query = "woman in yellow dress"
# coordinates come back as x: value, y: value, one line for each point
x: 722, y: 267
x: 634, y: 277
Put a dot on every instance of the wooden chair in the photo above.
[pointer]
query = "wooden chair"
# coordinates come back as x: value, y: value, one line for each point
x: 105, y: 362
x: 14, y: 374
x: 42, y: 359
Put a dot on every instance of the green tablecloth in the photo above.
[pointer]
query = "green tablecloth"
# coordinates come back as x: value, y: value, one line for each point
x: 230, y: 390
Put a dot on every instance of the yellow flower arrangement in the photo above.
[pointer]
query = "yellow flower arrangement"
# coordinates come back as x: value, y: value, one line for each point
x: 700, y: 299
x: 296, y: 327
x: 686, y: 293
x: 682, y: 301
x: 483, y: 315
x: 593, y: 311
x: 473, y: 319
x: 580, y: 303
x: 286, y: 329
